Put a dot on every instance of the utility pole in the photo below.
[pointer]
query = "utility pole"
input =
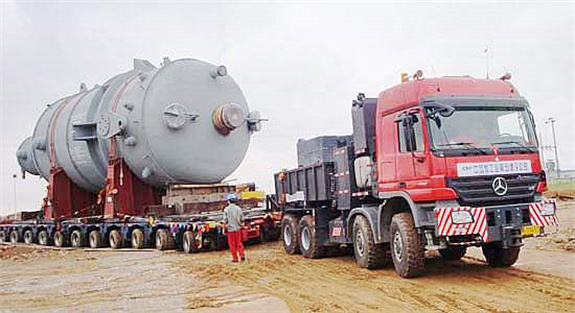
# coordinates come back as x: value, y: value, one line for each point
x: 14, y: 177
x: 552, y: 122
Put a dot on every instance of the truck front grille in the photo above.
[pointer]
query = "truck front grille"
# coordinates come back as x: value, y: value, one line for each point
x: 477, y: 191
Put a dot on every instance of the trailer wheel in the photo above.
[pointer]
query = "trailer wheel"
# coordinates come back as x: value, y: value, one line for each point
x: 308, y: 242
x: 137, y: 239
x: 60, y: 239
x: 77, y: 239
x: 2, y: 236
x: 44, y: 238
x: 164, y: 240
x: 15, y: 236
x: 28, y: 237
x: 95, y: 239
x: 116, y: 240
x: 263, y: 234
x: 290, y: 235
x: 453, y: 253
x: 407, y: 250
x: 189, y: 243
x: 496, y: 256
x: 367, y: 253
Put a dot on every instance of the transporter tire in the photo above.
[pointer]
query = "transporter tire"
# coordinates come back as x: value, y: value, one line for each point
x: 60, y: 239
x: 307, y: 240
x: 289, y: 234
x: 95, y: 239
x: 367, y: 253
x: 2, y: 236
x: 189, y: 242
x: 15, y: 237
x: 115, y: 239
x: 407, y: 250
x: 453, y: 253
x: 28, y: 237
x: 496, y: 256
x: 137, y: 239
x: 77, y: 239
x: 164, y: 240
x: 44, y: 238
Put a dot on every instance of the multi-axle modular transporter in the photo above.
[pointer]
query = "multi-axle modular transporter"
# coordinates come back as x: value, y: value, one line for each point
x: 432, y: 164
x: 140, y: 161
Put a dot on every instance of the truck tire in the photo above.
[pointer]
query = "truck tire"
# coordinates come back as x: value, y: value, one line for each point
x: 115, y: 239
x: 407, y: 249
x: 15, y: 236
x: 308, y: 243
x: 496, y: 256
x: 77, y: 239
x: 28, y: 237
x: 164, y: 240
x: 453, y: 253
x: 95, y: 239
x: 137, y: 239
x: 44, y: 238
x: 367, y: 253
x: 60, y: 239
x: 189, y: 242
x: 290, y: 235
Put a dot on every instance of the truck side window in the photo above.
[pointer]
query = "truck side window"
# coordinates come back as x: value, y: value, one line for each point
x: 407, y: 142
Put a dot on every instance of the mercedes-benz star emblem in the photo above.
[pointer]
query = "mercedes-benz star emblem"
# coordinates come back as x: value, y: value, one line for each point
x: 499, y: 186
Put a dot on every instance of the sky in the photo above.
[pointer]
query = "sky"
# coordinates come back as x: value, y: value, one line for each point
x: 299, y: 64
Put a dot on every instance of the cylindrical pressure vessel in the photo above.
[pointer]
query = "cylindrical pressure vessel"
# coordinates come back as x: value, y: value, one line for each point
x: 185, y: 122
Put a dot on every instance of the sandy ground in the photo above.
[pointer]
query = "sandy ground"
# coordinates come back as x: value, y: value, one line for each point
x: 47, y: 280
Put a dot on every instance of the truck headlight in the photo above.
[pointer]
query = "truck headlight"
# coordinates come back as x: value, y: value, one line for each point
x: 548, y: 209
x: 461, y: 217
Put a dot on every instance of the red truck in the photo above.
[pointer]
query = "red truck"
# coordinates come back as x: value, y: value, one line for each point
x: 432, y: 164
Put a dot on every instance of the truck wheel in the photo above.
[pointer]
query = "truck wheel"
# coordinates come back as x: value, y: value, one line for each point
x: 116, y: 240
x: 95, y: 239
x: 189, y: 242
x: 77, y: 239
x: 453, y: 253
x: 367, y: 253
x: 164, y: 240
x: 289, y: 234
x: 28, y: 237
x: 407, y: 249
x: 15, y: 236
x: 60, y: 239
x: 496, y: 256
x: 308, y: 242
x: 137, y: 239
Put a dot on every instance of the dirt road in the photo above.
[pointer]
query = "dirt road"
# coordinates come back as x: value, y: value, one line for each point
x: 271, y: 281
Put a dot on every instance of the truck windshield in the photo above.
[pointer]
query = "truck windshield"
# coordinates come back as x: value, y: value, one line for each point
x: 478, y: 128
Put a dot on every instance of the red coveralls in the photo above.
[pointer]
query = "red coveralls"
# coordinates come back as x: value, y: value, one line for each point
x: 236, y: 245
x: 234, y: 219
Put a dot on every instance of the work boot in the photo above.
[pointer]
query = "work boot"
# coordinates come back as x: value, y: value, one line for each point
x: 235, y: 261
x: 243, y: 258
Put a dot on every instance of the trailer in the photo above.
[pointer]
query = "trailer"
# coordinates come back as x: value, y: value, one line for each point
x: 432, y: 164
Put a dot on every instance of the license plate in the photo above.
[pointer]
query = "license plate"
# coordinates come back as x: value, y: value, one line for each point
x: 531, y: 230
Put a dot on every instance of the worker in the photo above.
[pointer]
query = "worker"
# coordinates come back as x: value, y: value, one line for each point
x: 234, y: 218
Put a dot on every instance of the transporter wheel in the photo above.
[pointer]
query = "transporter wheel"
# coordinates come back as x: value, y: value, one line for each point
x: 60, y: 239
x: 28, y: 237
x: 453, y: 253
x: 77, y: 239
x: 95, y: 239
x: 2, y: 236
x: 15, y: 236
x: 367, y: 253
x: 164, y: 240
x: 496, y: 256
x: 289, y: 234
x: 263, y: 234
x: 137, y: 239
x: 43, y: 238
x: 189, y: 242
x: 407, y: 249
x: 116, y: 240
x: 308, y: 242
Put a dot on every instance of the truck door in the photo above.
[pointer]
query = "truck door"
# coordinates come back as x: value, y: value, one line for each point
x: 405, y: 144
